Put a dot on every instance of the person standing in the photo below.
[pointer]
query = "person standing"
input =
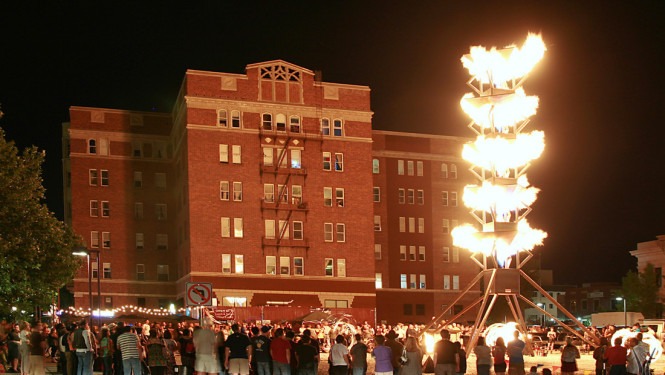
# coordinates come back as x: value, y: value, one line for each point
x: 24, y: 348
x: 306, y: 356
x: 446, y: 359
x: 461, y: 355
x: 551, y: 338
x: 599, y: 356
x: 483, y: 357
x: 339, y: 357
x: 106, y: 351
x: 414, y: 357
x: 238, y: 352
x: 205, y: 342
x: 616, y: 357
x: 569, y: 356
x: 130, y: 348
x: 515, y: 352
x: 383, y: 357
x: 396, y: 349
x: 499, y: 355
x: 280, y: 351
x: 157, y: 358
x: 261, y: 350
x: 358, y: 354
x: 37, y: 346
x: 187, y: 351
x: 85, y: 347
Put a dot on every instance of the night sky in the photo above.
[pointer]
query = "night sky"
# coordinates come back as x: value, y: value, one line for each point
x: 600, y: 87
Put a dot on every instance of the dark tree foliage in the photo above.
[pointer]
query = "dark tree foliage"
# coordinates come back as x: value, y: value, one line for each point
x: 35, y: 247
x: 641, y: 291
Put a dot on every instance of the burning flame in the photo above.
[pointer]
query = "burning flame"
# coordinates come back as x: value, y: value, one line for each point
x: 500, y: 199
x: 503, y: 330
x: 504, y: 244
x: 502, y: 154
x: 499, y: 111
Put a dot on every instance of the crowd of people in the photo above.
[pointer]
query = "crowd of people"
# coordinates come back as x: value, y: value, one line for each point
x: 282, y: 349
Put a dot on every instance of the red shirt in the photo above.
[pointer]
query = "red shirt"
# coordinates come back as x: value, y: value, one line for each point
x: 616, y: 355
x: 278, y: 348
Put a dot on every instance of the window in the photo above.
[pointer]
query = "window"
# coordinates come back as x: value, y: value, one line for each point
x: 412, y: 253
x: 138, y: 239
x: 400, y: 167
x: 420, y: 309
x: 402, y: 252
x: 420, y: 197
x: 409, y: 167
x: 325, y: 126
x: 401, y: 196
x: 237, y: 191
x: 92, y: 146
x: 298, y: 230
x: 266, y: 121
x: 162, y: 241
x: 94, y: 239
x: 341, y: 232
x: 162, y: 272
x: 419, y: 168
x: 412, y: 281
x: 378, y: 280
x: 224, y: 190
x: 377, y: 223
x: 444, y: 198
x: 453, y: 198
x: 294, y: 124
x: 337, y: 128
x: 446, y: 254
x: 106, y: 240
x: 402, y: 224
x: 94, y: 208
x: 408, y: 309
x: 269, y: 228
x: 160, y: 211
x: 328, y: 232
x: 137, y: 149
x: 222, y: 118
x: 269, y: 193
x: 92, y: 177
x: 328, y: 270
x: 283, y: 229
x: 402, y: 281
x: 327, y: 160
x: 376, y: 194
x: 267, y: 156
x: 375, y: 166
x: 339, y: 197
x: 295, y: 159
x: 236, y: 154
x: 446, y: 282
x: 271, y: 265
x: 411, y: 196
x: 455, y: 282
x: 327, y: 196
x: 421, y: 253
x: 226, y: 227
x: 223, y: 153
x: 283, y: 192
x: 444, y: 170
x: 284, y: 265
x: 160, y: 180
x: 281, y: 157
x: 412, y: 225
x: 138, y: 179
x: 298, y: 266
x: 280, y: 122
x: 235, y: 119
x: 341, y: 267
x: 105, y: 177
x: 140, y: 272
x: 455, y: 256
x: 377, y: 251
x: 296, y: 194
x: 339, y: 162
x: 138, y: 210
x: 445, y: 226
x: 106, y: 209
x: 423, y: 283
x: 453, y: 171
x: 421, y: 225
x: 237, y: 227
x: 103, y: 146
x: 335, y: 304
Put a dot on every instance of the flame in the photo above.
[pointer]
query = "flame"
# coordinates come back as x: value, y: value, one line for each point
x: 429, y: 342
x: 499, y: 66
x: 655, y: 346
x: 504, y: 244
x: 500, y: 199
x: 502, y: 153
x: 499, y: 111
x: 503, y: 330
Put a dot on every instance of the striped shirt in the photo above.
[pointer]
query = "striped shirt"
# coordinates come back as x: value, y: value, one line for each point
x: 128, y: 344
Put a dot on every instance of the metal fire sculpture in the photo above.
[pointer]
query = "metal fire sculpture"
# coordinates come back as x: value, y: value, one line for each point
x: 500, y: 201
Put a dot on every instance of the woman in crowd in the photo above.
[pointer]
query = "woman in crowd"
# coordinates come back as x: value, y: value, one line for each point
x: 383, y: 357
x: 569, y: 356
x: 106, y: 351
x: 414, y: 357
x: 156, y: 350
x: 483, y: 357
x: 499, y: 354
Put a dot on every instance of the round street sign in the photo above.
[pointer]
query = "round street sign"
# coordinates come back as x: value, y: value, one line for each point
x: 199, y: 294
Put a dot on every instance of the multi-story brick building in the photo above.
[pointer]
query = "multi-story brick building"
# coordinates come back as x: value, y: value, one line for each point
x: 262, y: 184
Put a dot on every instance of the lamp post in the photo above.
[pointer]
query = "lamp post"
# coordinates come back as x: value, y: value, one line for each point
x: 542, y: 306
x: 625, y: 318
x: 86, y: 253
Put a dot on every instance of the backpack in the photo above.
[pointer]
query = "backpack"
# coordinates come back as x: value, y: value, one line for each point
x: 79, y: 341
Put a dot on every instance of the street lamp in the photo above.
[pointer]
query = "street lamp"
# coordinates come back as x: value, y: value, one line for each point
x: 625, y: 318
x: 82, y: 252
x: 542, y: 306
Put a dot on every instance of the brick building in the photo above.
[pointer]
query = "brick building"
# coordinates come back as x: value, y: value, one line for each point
x: 264, y: 184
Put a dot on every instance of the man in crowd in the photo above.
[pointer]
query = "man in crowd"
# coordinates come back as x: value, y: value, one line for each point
x: 280, y: 351
x: 307, y: 356
x: 37, y: 347
x: 205, y: 342
x: 130, y: 347
x: 515, y: 351
x: 261, y: 350
x: 358, y: 354
x: 238, y: 352
x: 446, y: 358
x: 84, y: 344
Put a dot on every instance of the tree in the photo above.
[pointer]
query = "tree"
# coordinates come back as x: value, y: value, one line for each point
x: 35, y: 247
x: 641, y: 291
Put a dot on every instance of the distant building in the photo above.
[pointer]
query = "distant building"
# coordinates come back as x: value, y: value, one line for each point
x: 592, y: 298
x: 272, y: 186
x: 652, y: 252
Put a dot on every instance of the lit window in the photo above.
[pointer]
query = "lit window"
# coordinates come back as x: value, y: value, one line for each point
x: 327, y: 196
x: 160, y: 211
x: 92, y: 146
x: 223, y: 153
x: 327, y: 161
x: 160, y: 180
x: 328, y: 232
x: 224, y: 192
x: 423, y: 282
x: 446, y: 254
x: 280, y: 122
x: 412, y: 281
x: 339, y: 162
x: 92, y: 177
x: 377, y: 251
x: 339, y: 197
x: 412, y: 225
x: 284, y: 265
x: 337, y: 128
x: 453, y: 171
x: 341, y: 232
x: 402, y: 224
x: 94, y: 208
x: 298, y: 230
x: 139, y: 241
x: 237, y: 227
x: 402, y: 281
x: 455, y: 254
x: 445, y: 225
x: 376, y: 194
x: 269, y: 193
x: 400, y: 167
x: 106, y: 209
x: 378, y: 280
x: 410, y: 197
x: 94, y: 239
x: 401, y: 196
x: 266, y: 121
x: 295, y: 159
x: 294, y: 124
x: 271, y: 265
x: 421, y: 225
x: 409, y: 167
x: 283, y: 229
x: 283, y: 192
x: 226, y: 263
x: 237, y: 191
x: 325, y: 126
x: 235, y: 119
x: 267, y: 156
x: 106, y: 240
x: 420, y: 197
x: 226, y: 227
x: 375, y: 166
x: 296, y: 194
x: 222, y: 118
x: 140, y: 272
x: 377, y: 223
x: 236, y: 154
x: 162, y: 241
x: 446, y: 282
x: 421, y: 253
x: 453, y: 198
x: 281, y: 157
x: 298, y: 266
x: 341, y: 267
x: 162, y: 272
x: 402, y: 252
x: 412, y: 253
x: 444, y: 170
x: 419, y: 168
x: 328, y: 270
x: 269, y: 228
x: 138, y: 179
x: 455, y: 282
